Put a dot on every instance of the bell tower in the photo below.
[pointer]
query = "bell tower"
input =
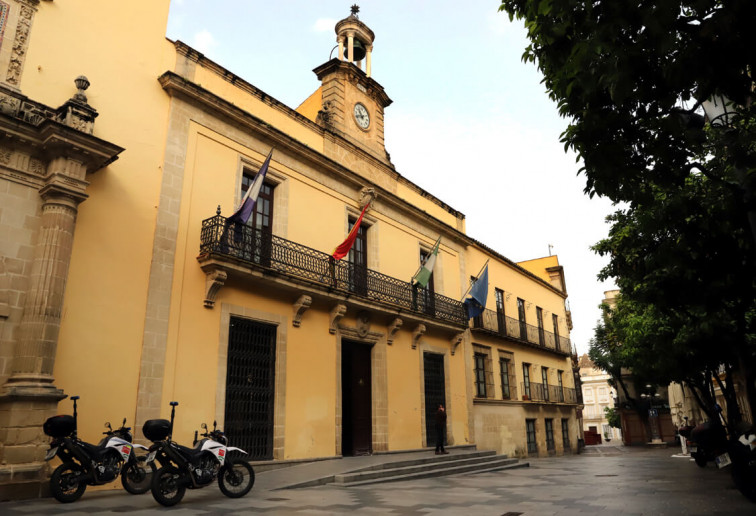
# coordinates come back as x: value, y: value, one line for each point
x: 353, y: 102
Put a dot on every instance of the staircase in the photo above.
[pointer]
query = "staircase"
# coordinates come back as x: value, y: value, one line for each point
x: 421, y: 467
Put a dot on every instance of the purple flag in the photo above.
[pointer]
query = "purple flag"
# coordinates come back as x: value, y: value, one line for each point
x: 247, y: 207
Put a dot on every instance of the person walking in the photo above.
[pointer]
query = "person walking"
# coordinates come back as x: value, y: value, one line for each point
x: 440, y: 429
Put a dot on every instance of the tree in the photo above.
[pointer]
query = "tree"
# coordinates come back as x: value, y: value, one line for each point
x: 630, y: 78
x: 612, y: 417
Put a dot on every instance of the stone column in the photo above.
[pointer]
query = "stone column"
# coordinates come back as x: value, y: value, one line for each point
x: 29, y: 396
x: 34, y: 354
x: 368, y: 59
x: 350, y: 46
x: 341, y: 48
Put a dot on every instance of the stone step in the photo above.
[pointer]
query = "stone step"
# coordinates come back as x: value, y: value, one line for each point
x: 428, y: 459
x: 452, y: 468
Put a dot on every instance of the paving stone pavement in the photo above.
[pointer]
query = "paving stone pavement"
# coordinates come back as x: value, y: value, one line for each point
x: 606, y: 480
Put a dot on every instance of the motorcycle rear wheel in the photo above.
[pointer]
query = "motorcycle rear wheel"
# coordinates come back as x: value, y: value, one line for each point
x: 136, y: 476
x: 236, y: 478
x: 65, y: 484
x: 700, y: 461
x: 167, y: 486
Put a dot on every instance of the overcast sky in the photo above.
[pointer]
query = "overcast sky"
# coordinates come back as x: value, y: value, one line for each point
x: 470, y: 122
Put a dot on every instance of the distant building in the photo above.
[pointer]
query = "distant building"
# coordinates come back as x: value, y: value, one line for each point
x: 597, y: 396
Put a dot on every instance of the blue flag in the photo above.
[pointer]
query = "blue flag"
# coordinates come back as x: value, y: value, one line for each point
x: 476, y: 303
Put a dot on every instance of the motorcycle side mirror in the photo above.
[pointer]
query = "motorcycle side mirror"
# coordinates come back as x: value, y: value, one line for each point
x: 174, y: 403
x: 124, y: 422
x: 215, y: 425
x: 203, y: 426
x: 107, y: 425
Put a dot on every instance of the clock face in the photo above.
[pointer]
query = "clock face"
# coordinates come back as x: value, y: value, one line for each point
x: 361, y: 116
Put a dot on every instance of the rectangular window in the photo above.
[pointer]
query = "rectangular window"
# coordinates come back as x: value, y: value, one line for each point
x: 255, y: 237
x: 427, y: 295
x: 530, y: 428
x: 545, y: 379
x: 480, y: 375
x: 550, y: 445
x: 500, y: 315
x: 560, y: 391
x: 504, y: 368
x: 566, y: 434
x: 521, y: 315
x: 526, y: 381
x: 555, y: 322
x: 357, y: 259
x: 539, y: 317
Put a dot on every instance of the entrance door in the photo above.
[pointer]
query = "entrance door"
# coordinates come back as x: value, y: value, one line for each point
x: 435, y: 393
x: 356, y: 399
x: 250, y: 382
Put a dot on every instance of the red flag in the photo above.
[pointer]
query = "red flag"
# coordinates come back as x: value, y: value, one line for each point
x: 341, y: 251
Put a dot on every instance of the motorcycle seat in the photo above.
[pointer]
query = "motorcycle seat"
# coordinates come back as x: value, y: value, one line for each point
x: 93, y: 450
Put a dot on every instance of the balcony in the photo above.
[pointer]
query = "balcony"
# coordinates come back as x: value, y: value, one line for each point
x: 538, y: 392
x: 247, y: 251
x: 494, y: 323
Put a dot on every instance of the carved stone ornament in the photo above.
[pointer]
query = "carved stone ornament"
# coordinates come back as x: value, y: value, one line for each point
x: 214, y: 280
x: 363, y: 323
x: 419, y: 332
x: 20, y: 44
x: 393, y: 329
x: 456, y: 341
x: 300, y: 307
x: 367, y: 196
x: 337, y: 313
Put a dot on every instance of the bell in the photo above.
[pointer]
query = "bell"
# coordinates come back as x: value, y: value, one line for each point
x: 358, y: 51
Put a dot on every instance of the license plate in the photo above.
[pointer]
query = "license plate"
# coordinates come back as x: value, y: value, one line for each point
x: 51, y: 453
x: 723, y: 460
x: 150, y: 457
x: 692, y: 449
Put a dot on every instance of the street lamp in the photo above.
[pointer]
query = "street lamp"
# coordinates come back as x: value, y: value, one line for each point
x: 718, y: 110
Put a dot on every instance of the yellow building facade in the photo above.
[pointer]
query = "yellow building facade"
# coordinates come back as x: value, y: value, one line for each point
x: 122, y: 281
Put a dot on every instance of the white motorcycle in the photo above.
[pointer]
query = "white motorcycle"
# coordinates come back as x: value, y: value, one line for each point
x: 185, y: 468
x: 88, y: 464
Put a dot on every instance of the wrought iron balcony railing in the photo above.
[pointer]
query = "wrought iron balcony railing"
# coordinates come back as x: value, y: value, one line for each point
x: 548, y: 393
x: 504, y: 326
x: 264, y: 250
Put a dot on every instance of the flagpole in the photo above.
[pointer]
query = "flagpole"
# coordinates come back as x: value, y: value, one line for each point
x: 476, y: 280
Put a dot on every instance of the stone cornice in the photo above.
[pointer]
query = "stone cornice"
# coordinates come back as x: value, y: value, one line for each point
x: 52, y: 139
x: 175, y: 85
x: 373, y: 89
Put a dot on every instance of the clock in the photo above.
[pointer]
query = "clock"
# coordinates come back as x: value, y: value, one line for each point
x: 361, y: 116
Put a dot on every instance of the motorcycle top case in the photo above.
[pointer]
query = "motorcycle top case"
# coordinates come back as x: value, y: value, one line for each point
x: 156, y: 429
x: 59, y: 426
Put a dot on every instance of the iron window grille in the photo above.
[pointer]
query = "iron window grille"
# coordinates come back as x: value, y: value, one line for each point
x: 526, y: 381
x: 566, y: 434
x: 530, y: 429
x: 549, y: 426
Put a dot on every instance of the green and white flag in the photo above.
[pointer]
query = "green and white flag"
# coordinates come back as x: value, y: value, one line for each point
x: 423, y: 275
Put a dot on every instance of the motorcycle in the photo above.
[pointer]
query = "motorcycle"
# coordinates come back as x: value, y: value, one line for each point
x: 193, y: 468
x: 743, y: 453
x: 708, y: 442
x: 88, y: 464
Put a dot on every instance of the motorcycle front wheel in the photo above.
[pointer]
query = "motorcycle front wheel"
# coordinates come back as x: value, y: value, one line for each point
x: 236, y: 478
x: 745, y: 480
x: 136, y: 476
x: 65, y: 483
x: 167, y: 486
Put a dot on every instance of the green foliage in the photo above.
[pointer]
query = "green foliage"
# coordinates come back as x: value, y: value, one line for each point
x: 612, y: 417
x: 629, y: 77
